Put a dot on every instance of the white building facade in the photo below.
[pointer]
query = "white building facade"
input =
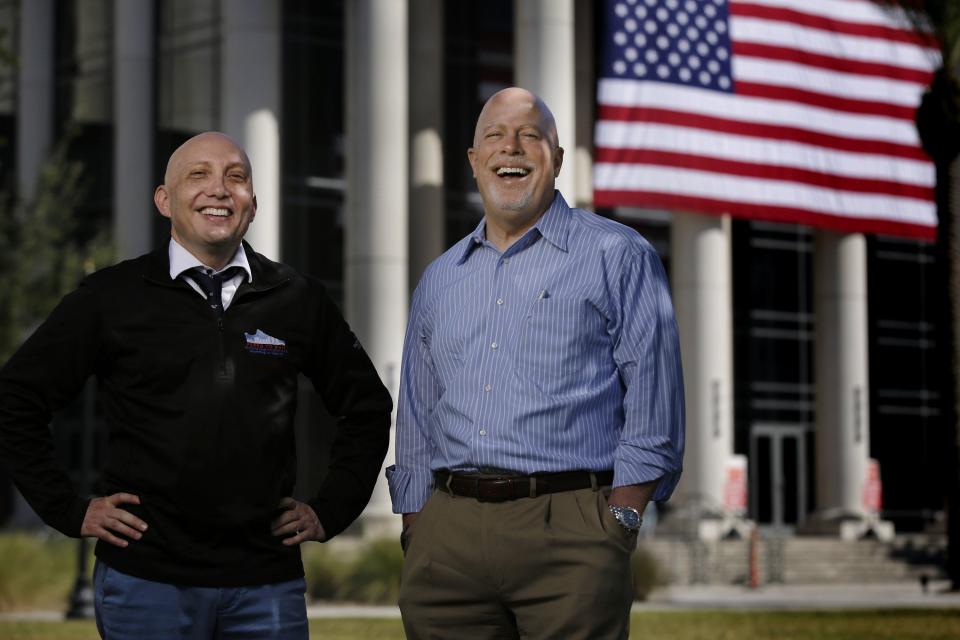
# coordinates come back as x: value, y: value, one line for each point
x: 798, y: 357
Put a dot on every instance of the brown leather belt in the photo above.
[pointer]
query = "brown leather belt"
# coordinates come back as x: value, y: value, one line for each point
x: 486, y: 488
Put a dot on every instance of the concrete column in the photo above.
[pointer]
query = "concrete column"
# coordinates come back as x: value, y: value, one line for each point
x: 250, y: 106
x: 427, y: 210
x: 376, y: 204
x: 585, y: 89
x: 703, y: 297
x: 544, y: 63
x: 133, y: 112
x: 842, y: 383
x: 34, y: 92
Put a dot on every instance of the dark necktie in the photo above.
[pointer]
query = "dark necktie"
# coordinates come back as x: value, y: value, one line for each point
x: 212, y: 286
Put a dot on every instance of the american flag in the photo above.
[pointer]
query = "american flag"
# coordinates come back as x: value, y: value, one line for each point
x: 797, y: 111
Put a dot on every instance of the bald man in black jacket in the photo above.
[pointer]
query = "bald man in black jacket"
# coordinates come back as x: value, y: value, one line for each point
x: 198, y: 388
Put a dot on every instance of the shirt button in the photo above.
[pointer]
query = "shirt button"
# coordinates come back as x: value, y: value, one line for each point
x: 487, y: 388
x: 483, y: 432
x: 494, y: 345
x: 506, y: 261
x: 499, y: 300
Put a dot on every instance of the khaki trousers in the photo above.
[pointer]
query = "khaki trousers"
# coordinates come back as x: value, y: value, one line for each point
x: 554, y: 566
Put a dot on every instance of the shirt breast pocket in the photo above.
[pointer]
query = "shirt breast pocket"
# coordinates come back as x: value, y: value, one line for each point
x: 560, y: 344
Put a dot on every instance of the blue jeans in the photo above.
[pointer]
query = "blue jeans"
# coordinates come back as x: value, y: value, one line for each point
x: 130, y: 608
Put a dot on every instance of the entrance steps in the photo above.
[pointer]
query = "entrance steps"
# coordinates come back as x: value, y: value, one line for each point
x: 795, y: 560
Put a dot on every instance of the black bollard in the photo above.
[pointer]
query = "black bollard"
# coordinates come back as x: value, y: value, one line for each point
x: 81, y: 598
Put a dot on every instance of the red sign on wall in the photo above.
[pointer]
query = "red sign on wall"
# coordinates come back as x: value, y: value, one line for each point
x: 735, y: 485
x: 872, y: 488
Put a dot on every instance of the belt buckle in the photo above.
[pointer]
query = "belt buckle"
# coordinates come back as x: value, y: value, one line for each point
x: 494, y: 490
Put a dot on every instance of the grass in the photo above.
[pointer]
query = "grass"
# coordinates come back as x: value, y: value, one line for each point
x: 36, y: 571
x: 72, y: 630
x: 332, y: 629
x: 649, y: 625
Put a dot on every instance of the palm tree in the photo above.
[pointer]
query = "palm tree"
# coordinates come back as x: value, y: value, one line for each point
x: 938, y: 124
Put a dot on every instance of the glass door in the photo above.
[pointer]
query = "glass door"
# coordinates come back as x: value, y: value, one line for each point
x: 778, y: 460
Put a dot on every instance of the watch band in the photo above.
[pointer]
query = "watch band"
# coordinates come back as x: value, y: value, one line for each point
x: 628, y: 517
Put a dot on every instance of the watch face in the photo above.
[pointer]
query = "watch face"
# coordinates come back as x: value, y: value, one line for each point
x: 630, y: 518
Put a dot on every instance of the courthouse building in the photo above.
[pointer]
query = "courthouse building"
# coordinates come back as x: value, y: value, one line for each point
x: 807, y: 352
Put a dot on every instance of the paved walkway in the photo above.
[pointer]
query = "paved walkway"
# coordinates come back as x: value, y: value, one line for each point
x: 812, y: 596
x: 843, y: 596
x: 351, y: 611
x: 787, y: 597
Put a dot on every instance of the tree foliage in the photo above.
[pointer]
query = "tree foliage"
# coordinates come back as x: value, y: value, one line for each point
x: 938, y: 125
x: 42, y: 256
x: 938, y: 117
x: 941, y: 18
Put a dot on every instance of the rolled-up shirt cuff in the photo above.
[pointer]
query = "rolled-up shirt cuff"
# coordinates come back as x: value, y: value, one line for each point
x: 637, y: 466
x: 409, y: 488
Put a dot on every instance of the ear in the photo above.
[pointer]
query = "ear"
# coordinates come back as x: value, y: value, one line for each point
x: 557, y: 161
x: 472, y: 157
x: 161, y: 198
x: 254, y: 213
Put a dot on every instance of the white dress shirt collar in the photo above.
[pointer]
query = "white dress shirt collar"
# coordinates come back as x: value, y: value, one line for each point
x: 182, y: 260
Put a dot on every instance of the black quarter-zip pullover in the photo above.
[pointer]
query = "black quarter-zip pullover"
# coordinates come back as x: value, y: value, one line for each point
x: 199, y: 413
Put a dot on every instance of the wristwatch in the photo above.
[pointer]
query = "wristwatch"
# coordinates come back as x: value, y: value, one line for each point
x: 628, y: 517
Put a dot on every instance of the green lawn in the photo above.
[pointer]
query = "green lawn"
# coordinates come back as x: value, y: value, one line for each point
x: 671, y: 625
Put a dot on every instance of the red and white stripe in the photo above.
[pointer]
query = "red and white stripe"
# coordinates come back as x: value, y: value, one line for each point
x: 820, y: 129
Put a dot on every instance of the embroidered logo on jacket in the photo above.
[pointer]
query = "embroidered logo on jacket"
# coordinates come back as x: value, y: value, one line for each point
x: 262, y: 343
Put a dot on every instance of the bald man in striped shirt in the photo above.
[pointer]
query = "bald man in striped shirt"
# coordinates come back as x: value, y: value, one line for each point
x: 541, y: 405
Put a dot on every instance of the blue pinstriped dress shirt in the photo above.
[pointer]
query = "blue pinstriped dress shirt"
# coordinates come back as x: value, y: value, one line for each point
x: 559, y: 354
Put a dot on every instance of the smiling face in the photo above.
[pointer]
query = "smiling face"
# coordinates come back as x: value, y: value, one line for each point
x: 515, y: 158
x: 208, y: 195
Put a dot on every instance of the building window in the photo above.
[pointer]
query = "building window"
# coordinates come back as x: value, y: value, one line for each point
x: 906, y: 420
x: 313, y: 147
x: 188, y: 79
x: 478, y: 59
x: 84, y: 62
x: 188, y: 65
x: 773, y: 340
x: 83, y: 106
